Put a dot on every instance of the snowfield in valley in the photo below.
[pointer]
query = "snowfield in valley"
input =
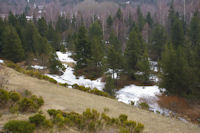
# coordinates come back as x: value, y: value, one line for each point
x: 127, y: 94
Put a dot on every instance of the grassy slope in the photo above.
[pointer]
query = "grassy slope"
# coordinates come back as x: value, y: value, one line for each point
x: 58, y: 97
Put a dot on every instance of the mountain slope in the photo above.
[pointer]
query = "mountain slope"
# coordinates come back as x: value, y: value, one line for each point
x: 66, y: 99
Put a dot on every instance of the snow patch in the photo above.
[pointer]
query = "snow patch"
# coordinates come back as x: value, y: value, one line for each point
x: 1, y: 61
x: 39, y: 67
x: 65, y: 57
x: 69, y: 77
x: 135, y: 93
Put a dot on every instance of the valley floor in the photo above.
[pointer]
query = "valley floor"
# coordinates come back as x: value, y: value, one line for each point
x: 67, y: 99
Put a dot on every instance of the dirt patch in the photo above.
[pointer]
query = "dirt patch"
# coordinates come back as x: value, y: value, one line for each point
x: 67, y: 99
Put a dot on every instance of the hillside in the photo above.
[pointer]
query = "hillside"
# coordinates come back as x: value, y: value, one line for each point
x: 58, y: 97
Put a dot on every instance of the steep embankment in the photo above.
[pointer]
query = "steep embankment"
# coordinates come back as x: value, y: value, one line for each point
x: 66, y: 99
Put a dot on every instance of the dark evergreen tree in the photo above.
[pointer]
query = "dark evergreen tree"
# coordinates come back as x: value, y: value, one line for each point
x: 158, y: 40
x: 140, y: 19
x: 176, y: 71
x: 83, y: 48
x: 109, y: 22
x: 55, y: 66
x: 133, y: 51
x: 149, y: 19
x: 110, y: 87
x: 195, y: 30
x: 144, y: 67
x: 42, y: 27
x: 177, y: 33
x: 12, y: 47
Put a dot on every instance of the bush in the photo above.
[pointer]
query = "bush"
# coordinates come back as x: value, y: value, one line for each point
x: 144, y: 105
x: 27, y: 105
x: 139, y: 128
x: 53, y: 112
x: 63, y: 84
x: 31, y: 104
x: 27, y: 93
x: 123, y: 130
x: 38, y: 120
x: 16, y: 126
x: 92, y: 126
x: 38, y: 101
x: 59, y: 119
x: 99, y: 93
x: 14, y: 109
x: 130, y: 124
x: 82, y: 88
x: 14, y: 96
x: 4, y: 97
x: 123, y: 118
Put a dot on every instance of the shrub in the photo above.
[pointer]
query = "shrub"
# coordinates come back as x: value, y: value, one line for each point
x: 37, y: 119
x: 131, y: 124
x: 14, y: 96
x: 123, y: 118
x: 27, y: 105
x: 100, y: 93
x: 105, y: 117
x: 123, y: 130
x: 82, y: 88
x: 53, y: 112
x: 16, y: 126
x: 59, y: 119
x: 4, y: 97
x: 63, y: 84
x: 144, y: 105
x: 91, y: 126
x: 139, y: 128
x: 14, y: 109
x: 52, y: 80
x: 27, y: 93
x: 38, y: 101
x: 94, y: 115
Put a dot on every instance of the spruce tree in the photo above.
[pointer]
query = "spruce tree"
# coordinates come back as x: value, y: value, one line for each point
x: 149, y: 19
x: 83, y: 48
x: 177, y: 33
x: 194, y: 33
x: 144, y: 67
x: 109, y: 86
x: 132, y: 53
x: 42, y: 27
x: 109, y: 22
x: 12, y: 47
x: 158, y: 40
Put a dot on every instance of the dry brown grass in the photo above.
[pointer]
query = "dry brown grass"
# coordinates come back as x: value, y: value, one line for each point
x: 181, y: 106
x: 67, y: 99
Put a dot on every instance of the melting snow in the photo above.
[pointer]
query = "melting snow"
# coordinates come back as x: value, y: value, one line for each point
x: 39, y: 67
x: 69, y: 77
x: 65, y: 57
x: 135, y: 93
x: 1, y: 61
